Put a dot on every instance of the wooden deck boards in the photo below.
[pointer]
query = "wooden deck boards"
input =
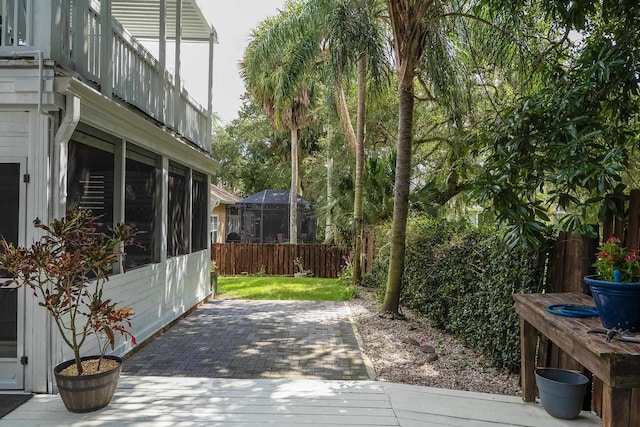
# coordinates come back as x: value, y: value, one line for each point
x: 172, y: 401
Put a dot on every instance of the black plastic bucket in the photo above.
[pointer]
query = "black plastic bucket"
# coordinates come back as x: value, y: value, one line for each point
x: 561, y: 392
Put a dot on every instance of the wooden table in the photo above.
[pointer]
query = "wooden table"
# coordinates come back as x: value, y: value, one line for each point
x: 616, y: 364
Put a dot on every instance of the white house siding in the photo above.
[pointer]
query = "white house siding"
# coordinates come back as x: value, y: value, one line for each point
x: 159, y: 293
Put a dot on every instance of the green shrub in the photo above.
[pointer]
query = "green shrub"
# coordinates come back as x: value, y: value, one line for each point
x: 345, y: 279
x: 462, y: 278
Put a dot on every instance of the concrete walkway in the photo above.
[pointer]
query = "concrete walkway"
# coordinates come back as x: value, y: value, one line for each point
x: 170, y: 402
x: 275, y: 363
x: 256, y: 339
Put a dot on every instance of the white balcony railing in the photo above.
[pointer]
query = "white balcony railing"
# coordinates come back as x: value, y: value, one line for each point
x: 135, y: 74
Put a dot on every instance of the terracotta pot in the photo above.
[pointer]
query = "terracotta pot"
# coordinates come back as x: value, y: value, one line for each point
x: 86, y: 393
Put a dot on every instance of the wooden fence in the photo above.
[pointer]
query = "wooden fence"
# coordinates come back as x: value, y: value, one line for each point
x: 571, y: 260
x: 278, y: 259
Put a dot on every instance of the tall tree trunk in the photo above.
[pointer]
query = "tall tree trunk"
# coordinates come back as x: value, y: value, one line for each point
x: 400, y: 203
x: 328, y: 230
x: 293, y: 193
x: 410, y: 28
x: 360, y: 137
x: 345, y: 117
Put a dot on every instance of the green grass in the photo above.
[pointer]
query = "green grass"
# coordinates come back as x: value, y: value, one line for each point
x: 282, y: 288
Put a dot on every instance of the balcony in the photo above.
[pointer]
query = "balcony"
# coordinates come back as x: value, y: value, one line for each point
x: 99, y: 42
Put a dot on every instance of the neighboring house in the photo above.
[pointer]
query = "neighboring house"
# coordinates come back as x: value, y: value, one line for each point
x: 90, y: 118
x: 264, y: 218
x: 221, y: 199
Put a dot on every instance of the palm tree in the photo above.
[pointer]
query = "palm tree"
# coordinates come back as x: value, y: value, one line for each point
x: 426, y: 53
x: 357, y: 39
x: 410, y: 26
x: 352, y: 36
x: 266, y: 68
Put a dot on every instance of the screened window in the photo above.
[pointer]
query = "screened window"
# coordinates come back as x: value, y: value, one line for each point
x: 140, y: 203
x: 90, y: 180
x: 176, y: 227
x: 199, y: 212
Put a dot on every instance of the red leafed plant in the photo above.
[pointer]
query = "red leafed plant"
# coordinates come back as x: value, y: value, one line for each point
x: 67, y: 269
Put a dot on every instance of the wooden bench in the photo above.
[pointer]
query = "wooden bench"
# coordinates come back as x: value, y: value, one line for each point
x: 616, y: 364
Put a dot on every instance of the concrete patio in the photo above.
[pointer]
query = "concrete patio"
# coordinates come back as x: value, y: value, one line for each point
x: 244, y: 363
x: 167, y: 401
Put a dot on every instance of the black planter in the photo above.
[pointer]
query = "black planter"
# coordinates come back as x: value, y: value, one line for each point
x: 86, y: 393
x: 561, y: 392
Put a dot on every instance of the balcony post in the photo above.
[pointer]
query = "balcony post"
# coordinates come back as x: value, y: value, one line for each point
x: 162, y: 60
x: 210, y: 93
x: 177, y: 111
x: 106, y: 49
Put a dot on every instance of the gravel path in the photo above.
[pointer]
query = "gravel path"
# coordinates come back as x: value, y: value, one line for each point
x: 395, y: 348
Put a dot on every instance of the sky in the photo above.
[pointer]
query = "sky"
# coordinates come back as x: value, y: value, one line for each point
x: 233, y: 21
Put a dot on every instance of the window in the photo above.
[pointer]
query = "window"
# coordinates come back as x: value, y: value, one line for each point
x: 214, y: 228
x: 176, y: 228
x: 90, y: 179
x: 199, y: 213
x: 140, y: 203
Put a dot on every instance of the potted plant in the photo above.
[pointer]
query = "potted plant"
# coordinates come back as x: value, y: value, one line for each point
x: 616, y: 287
x: 66, y: 270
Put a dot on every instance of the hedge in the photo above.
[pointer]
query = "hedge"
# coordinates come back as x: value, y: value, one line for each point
x: 462, y: 278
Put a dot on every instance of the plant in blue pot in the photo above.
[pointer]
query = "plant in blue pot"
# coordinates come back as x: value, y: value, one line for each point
x: 616, y: 287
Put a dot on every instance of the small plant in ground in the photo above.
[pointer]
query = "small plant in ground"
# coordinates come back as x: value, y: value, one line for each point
x: 261, y: 273
x: 345, y: 278
x: 297, y: 262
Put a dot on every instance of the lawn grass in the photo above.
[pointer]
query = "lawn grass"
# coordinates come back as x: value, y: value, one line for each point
x: 282, y: 288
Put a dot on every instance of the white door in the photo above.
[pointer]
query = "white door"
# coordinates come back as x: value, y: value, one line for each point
x: 12, y: 227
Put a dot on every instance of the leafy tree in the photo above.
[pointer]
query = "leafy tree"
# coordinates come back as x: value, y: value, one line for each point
x: 566, y: 145
x: 252, y: 154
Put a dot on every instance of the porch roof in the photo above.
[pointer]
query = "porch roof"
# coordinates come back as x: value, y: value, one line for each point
x: 142, y: 19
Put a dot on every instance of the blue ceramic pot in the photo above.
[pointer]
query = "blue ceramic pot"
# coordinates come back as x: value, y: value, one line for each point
x: 618, y: 303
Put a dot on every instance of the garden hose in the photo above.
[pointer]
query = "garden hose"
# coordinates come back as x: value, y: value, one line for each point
x: 572, y: 310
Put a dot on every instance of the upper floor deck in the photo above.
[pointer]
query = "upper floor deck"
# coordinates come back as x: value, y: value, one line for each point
x: 99, y: 42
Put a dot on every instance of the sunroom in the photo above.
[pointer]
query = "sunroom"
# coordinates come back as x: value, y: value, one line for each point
x: 89, y: 117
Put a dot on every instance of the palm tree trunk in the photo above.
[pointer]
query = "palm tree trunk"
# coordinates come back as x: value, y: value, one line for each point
x: 360, y: 137
x: 293, y: 194
x: 401, y: 199
x: 344, y: 116
x: 328, y: 230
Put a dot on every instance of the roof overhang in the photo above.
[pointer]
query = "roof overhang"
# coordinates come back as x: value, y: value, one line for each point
x: 141, y: 18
